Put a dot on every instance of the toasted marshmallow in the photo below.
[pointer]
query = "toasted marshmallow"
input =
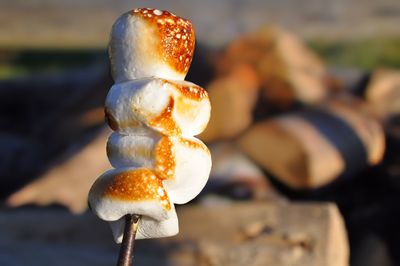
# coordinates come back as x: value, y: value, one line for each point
x: 148, y: 227
x: 183, y: 164
x: 155, y: 114
x: 191, y: 171
x: 129, y: 190
x: 148, y: 42
x: 169, y: 107
x: 133, y: 150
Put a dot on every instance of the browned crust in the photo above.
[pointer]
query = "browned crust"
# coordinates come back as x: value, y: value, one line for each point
x: 192, y: 92
x: 165, y: 156
x: 113, y: 124
x: 176, y: 35
x: 165, y: 159
x: 193, y: 144
x: 166, y: 121
x: 137, y: 185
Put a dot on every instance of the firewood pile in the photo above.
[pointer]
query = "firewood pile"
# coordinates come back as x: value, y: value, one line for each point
x: 282, y: 128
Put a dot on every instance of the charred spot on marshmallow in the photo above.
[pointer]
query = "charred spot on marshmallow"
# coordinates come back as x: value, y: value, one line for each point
x: 137, y: 185
x: 192, y: 92
x: 177, y: 39
x: 166, y: 121
x: 194, y: 144
x: 165, y: 159
x: 115, y: 125
x: 110, y: 119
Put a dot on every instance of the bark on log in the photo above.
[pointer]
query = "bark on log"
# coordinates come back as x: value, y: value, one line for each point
x: 309, y: 149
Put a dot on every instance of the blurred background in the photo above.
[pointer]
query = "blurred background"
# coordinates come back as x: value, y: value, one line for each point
x: 304, y: 133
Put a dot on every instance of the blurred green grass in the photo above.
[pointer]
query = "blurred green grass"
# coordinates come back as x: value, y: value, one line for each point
x: 364, y: 54
x: 14, y: 64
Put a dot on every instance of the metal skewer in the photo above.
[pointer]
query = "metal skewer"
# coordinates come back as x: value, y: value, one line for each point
x: 126, y: 250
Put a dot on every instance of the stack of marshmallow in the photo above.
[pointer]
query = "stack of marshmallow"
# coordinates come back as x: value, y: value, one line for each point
x: 154, y: 114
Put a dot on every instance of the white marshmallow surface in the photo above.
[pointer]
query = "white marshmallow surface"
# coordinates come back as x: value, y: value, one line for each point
x: 144, y: 100
x: 133, y: 150
x: 148, y: 227
x: 191, y: 158
x: 193, y: 166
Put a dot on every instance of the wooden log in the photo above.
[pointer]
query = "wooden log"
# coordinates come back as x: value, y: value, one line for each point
x: 383, y: 92
x: 236, y: 176
x: 311, y: 148
x: 265, y: 234
x: 68, y: 182
x: 250, y: 234
x: 289, y: 71
x: 233, y: 95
